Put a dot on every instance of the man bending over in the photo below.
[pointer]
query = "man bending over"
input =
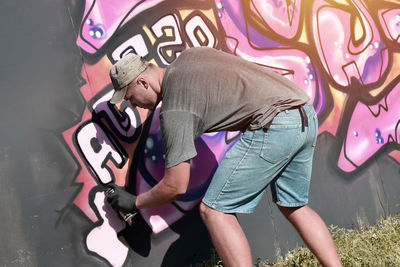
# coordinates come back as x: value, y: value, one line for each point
x: 206, y: 90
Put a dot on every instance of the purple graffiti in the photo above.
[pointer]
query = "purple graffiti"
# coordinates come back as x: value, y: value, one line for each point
x: 292, y: 63
x: 390, y: 21
x: 283, y: 17
x: 210, y: 150
x: 102, y: 19
x: 339, y: 42
x: 363, y: 139
x: 346, y: 52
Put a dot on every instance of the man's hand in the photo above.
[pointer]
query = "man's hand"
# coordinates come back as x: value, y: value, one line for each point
x: 121, y: 200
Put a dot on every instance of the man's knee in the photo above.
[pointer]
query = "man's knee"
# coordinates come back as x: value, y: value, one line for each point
x: 288, y: 211
x: 205, y: 211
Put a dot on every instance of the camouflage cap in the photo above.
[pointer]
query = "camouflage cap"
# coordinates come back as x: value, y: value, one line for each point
x: 123, y: 72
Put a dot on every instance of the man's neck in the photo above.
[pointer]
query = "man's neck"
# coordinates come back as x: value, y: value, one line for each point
x: 159, y: 72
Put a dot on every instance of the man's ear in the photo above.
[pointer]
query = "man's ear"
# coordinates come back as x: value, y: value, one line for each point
x: 143, y: 82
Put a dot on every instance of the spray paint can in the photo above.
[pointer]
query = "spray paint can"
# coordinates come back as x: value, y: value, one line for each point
x: 127, y: 217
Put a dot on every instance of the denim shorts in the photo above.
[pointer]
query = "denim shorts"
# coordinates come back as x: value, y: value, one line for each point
x: 280, y: 156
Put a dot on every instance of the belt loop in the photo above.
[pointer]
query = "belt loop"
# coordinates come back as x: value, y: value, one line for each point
x: 304, y: 119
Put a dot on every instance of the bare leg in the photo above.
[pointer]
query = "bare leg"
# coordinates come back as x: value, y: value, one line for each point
x: 314, y: 233
x: 227, y: 236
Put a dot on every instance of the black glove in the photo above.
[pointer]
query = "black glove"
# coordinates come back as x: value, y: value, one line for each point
x: 121, y: 200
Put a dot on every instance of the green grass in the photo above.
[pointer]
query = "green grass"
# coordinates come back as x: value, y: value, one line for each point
x: 377, y: 245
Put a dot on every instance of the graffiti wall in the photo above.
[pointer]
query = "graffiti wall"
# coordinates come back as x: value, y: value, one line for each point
x: 345, y: 54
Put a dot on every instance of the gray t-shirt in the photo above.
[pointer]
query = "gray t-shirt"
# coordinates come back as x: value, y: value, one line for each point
x: 207, y: 90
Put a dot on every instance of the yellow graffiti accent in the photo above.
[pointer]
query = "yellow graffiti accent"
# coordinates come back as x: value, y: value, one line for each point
x: 303, y: 37
x: 393, y: 1
x: 168, y: 32
x: 169, y: 52
x: 342, y: 2
x: 209, y: 13
x: 358, y: 29
x: 149, y: 34
x: 201, y: 36
x: 185, y: 12
x: 153, y: 61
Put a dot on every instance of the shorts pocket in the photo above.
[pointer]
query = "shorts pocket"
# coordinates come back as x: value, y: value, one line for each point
x: 280, y: 143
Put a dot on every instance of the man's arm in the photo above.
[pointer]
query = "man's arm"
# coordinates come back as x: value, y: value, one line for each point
x: 173, y: 185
